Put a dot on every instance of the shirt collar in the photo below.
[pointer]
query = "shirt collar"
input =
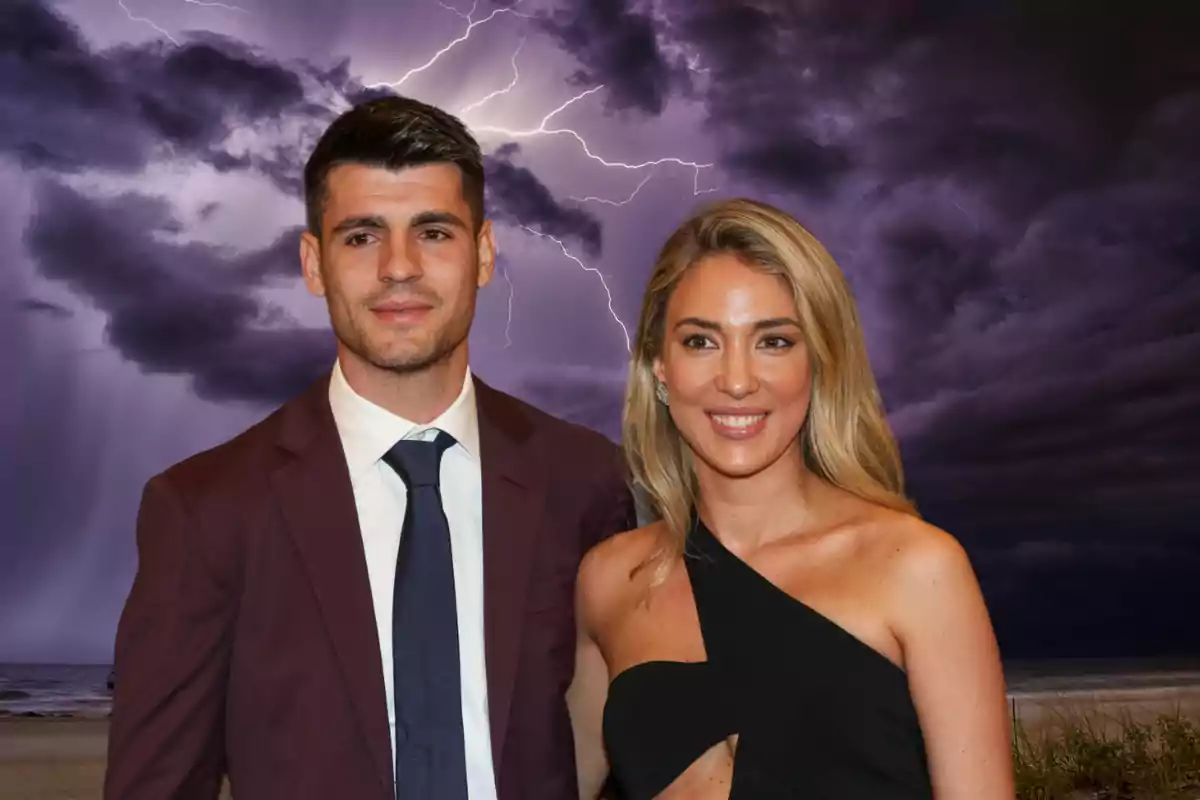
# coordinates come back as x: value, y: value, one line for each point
x: 368, y: 431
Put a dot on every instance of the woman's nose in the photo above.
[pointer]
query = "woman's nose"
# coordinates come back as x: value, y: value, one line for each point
x: 737, y: 377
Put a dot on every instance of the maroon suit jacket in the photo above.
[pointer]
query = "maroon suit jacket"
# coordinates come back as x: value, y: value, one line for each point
x: 248, y: 644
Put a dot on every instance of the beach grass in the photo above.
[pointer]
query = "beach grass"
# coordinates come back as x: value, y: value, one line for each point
x: 1089, y: 756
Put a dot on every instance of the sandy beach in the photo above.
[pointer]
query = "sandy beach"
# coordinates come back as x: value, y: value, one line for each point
x: 52, y: 758
x: 1043, y: 712
x: 49, y: 758
x: 63, y: 759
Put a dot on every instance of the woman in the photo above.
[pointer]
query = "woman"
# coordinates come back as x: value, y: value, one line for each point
x: 790, y: 628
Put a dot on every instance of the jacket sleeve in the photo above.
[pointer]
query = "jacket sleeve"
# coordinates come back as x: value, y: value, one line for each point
x: 611, y: 508
x: 171, y: 662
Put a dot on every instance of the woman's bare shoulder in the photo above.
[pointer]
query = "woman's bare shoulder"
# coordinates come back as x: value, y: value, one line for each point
x: 610, y: 572
x: 917, y: 561
x: 614, y: 558
x: 907, y: 542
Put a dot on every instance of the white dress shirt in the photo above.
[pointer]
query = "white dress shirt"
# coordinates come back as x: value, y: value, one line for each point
x: 367, y: 432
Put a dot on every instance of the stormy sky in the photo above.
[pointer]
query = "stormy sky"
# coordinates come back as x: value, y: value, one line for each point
x: 1013, y: 189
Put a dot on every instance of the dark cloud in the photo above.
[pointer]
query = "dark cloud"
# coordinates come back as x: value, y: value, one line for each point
x: 620, y: 48
x: 190, y: 308
x: 1062, y: 374
x: 32, y: 305
x: 790, y: 163
x: 1011, y: 194
x: 280, y: 259
x: 1050, y: 600
x: 515, y: 195
x: 176, y: 308
x: 68, y: 107
x: 1026, y: 256
x: 62, y: 105
x: 1013, y: 197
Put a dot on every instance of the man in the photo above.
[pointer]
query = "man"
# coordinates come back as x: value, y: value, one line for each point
x: 369, y: 594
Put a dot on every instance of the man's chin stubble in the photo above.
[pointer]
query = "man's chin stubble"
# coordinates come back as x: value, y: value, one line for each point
x: 416, y: 362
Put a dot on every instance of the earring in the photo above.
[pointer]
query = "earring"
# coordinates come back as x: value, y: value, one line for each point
x: 660, y: 391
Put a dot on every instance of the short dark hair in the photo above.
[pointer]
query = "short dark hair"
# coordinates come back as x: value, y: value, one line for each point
x: 393, y: 132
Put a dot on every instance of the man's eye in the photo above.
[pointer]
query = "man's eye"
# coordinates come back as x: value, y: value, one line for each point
x: 435, y: 234
x: 357, y: 239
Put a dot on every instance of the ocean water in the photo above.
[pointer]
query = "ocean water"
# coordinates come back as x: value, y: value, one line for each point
x: 82, y: 691
x: 1094, y: 674
x: 75, y: 690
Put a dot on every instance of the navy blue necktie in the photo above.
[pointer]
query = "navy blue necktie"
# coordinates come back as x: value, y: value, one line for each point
x: 430, y: 759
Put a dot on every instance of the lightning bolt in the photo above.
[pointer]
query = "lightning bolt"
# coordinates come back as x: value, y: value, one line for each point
x: 472, y: 24
x: 542, y: 130
x: 508, y: 322
x: 205, y: 4
x: 627, y: 200
x: 511, y: 84
x: 147, y: 21
x: 611, y: 311
x: 967, y: 214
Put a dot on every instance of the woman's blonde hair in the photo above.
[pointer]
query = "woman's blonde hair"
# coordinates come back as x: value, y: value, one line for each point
x: 845, y: 438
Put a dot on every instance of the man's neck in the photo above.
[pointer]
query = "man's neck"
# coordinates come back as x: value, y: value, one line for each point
x: 420, y: 396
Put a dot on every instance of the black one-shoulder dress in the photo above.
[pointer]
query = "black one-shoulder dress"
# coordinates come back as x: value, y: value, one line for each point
x: 819, y: 714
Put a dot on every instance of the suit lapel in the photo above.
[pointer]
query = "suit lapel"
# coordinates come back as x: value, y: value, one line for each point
x: 317, y: 500
x: 514, y: 486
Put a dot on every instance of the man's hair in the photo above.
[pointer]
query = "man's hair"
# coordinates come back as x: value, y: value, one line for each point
x: 393, y: 133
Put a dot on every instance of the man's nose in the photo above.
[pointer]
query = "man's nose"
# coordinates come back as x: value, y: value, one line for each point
x: 398, y: 264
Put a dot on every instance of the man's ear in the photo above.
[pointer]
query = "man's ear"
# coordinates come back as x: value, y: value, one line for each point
x: 486, y: 244
x: 310, y: 263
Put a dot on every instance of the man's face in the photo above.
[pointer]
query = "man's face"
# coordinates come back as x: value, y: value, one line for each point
x: 398, y: 263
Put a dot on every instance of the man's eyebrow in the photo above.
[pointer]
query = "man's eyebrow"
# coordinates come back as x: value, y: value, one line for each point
x: 350, y: 223
x: 437, y: 218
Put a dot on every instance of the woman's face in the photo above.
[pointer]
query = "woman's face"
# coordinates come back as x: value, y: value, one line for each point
x: 735, y: 365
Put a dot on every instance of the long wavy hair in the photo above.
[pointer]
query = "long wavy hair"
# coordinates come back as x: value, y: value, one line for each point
x: 845, y: 438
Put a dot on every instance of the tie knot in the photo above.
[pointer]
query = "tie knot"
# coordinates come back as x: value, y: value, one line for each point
x: 417, y: 461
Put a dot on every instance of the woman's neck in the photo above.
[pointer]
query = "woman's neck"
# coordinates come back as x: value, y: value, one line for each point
x: 748, y: 511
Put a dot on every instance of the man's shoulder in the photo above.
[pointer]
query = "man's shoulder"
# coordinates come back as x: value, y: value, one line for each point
x: 241, y: 464
x: 559, y: 436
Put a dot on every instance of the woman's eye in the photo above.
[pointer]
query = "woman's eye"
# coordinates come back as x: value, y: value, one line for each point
x: 778, y: 342
x: 695, y: 342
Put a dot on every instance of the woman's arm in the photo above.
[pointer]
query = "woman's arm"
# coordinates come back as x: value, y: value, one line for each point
x: 589, y: 689
x: 954, y: 669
